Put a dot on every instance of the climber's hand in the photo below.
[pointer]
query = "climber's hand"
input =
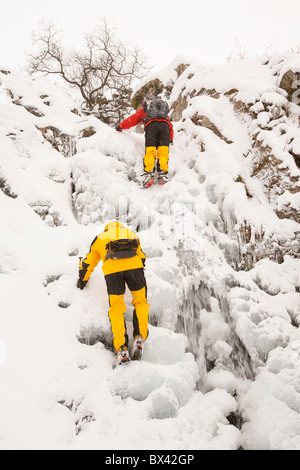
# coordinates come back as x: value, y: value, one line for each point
x: 81, y: 284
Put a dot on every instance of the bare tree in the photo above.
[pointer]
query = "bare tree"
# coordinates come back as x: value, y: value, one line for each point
x: 238, y: 52
x: 104, y: 71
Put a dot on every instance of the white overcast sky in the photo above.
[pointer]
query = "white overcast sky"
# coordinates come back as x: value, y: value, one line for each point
x: 162, y: 29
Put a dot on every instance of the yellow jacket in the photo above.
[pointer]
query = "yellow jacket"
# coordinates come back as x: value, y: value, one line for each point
x: 113, y: 231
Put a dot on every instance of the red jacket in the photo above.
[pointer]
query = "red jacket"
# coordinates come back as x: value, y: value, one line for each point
x: 138, y: 117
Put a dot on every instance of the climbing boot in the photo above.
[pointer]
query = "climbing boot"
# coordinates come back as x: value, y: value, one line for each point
x: 123, y: 355
x: 138, y: 346
x: 148, y: 179
x: 162, y: 177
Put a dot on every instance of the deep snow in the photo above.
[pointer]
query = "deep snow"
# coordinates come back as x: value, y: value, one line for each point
x: 221, y: 365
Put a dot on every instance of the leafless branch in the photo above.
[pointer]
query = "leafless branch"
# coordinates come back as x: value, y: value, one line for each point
x: 104, y: 71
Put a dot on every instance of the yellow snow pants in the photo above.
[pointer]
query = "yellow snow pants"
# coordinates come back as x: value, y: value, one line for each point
x: 116, y: 286
x: 161, y: 153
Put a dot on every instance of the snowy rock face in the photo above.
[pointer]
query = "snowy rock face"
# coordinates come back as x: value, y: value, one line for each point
x: 222, y: 362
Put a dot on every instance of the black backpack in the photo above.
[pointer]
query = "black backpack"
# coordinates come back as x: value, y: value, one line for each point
x: 123, y: 248
x: 156, y: 108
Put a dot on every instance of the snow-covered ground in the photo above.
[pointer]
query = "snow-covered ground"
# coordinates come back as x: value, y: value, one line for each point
x: 221, y: 368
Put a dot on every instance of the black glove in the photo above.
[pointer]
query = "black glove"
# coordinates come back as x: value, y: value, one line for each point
x: 171, y: 142
x: 81, y: 284
x: 118, y: 128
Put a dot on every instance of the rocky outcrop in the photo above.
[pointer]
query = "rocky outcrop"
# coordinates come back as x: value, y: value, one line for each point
x: 64, y: 143
x: 268, y: 116
x: 156, y: 87
x: 204, y: 121
x: 290, y: 82
x: 268, y: 119
x: 6, y: 188
x: 153, y: 88
x: 88, y: 132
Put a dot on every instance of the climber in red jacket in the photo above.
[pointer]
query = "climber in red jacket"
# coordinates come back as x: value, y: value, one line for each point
x: 159, y: 134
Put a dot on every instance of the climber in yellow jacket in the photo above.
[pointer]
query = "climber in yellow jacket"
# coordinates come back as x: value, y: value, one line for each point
x: 120, y: 250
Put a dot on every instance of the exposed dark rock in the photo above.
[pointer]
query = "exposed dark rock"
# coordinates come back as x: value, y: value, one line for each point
x: 154, y: 88
x: 205, y: 122
x: 36, y: 112
x: 62, y: 142
x: 4, y: 186
x: 88, y: 132
x: 178, y: 107
x: 290, y: 83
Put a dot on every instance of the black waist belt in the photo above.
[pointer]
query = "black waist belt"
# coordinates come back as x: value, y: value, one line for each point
x: 121, y: 249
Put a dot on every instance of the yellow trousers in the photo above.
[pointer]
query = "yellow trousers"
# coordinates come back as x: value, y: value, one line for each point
x: 161, y: 153
x: 136, y: 282
x: 140, y: 317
